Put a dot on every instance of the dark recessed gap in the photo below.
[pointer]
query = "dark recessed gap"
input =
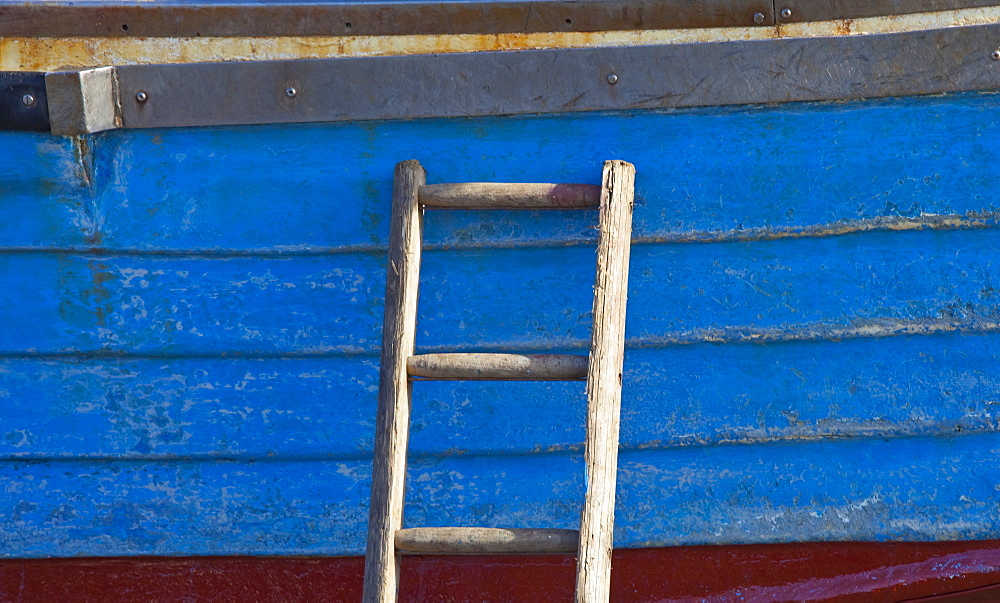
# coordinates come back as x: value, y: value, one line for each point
x: 124, y: 26
x: 569, y: 21
x: 347, y: 26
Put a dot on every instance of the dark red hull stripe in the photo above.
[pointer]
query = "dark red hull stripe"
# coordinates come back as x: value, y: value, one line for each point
x: 811, y: 571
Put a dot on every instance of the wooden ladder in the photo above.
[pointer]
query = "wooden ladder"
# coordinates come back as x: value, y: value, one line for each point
x: 603, y: 371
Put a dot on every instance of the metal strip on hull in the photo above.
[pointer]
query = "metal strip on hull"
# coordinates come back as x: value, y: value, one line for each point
x: 558, y: 81
x: 196, y: 19
x: 58, y: 19
x: 23, y: 101
x: 798, y: 11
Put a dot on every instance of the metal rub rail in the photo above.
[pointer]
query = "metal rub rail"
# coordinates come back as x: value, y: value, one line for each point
x: 929, y: 61
x: 61, y: 18
x: 149, y: 19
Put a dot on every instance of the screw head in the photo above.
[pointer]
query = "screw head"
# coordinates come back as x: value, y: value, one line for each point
x: 758, y: 18
x: 786, y: 13
x: 612, y: 79
x: 141, y: 96
x: 28, y: 100
x: 996, y: 55
x: 291, y: 92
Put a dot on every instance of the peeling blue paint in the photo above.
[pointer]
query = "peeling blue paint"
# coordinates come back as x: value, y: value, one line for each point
x: 189, y: 357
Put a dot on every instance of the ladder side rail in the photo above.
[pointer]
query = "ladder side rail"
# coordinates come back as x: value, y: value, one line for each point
x: 604, y: 383
x: 392, y: 421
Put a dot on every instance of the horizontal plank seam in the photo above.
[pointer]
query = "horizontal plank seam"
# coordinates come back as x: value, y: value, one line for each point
x: 817, y: 332
x: 948, y: 431
x: 930, y: 222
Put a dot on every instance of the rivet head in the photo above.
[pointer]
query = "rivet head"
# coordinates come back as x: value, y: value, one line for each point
x: 141, y: 96
x: 291, y: 92
x: 758, y: 18
x: 28, y: 100
x: 612, y: 79
x: 996, y: 55
x: 786, y: 13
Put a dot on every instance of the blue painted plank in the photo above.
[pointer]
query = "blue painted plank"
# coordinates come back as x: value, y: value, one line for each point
x: 829, y: 490
x: 834, y: 490
x: 121, y: 508
x: 328, y: 186
x: 874, y: 283
x: 323, y: 408
x: 44, y: 188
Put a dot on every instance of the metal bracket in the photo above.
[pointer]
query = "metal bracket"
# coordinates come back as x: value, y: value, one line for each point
x: 82, y: 101
x: 23, y: 101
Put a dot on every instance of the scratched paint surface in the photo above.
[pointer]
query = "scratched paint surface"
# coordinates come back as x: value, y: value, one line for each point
x: 189, y: 359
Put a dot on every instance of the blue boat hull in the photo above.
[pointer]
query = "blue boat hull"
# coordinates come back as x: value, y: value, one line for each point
x: 193, y: 316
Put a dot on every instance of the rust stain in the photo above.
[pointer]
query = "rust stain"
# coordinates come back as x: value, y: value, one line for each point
x: 97, y: 293
x: 843, y: 28
x: 83, y: 158
x: 46, y: 54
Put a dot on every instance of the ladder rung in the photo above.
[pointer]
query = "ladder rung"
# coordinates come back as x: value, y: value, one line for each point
x: 498, y: 367
x: 478, y: 541
x: 492, y: 195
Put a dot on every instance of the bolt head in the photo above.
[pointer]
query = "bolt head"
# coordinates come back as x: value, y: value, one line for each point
x: 612, y: 79
x: 141, y: 96
x: 996, y: 55
x: 28, y: 100
x: 291, y: 92
x: 758, y: 18
x: 786, y: 13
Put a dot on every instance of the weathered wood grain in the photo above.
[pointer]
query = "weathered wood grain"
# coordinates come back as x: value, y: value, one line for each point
x: 392, y: 423
x: 491, y: 195
x: 604, y: 383
x: 484, y: 541
x: 498, y: 367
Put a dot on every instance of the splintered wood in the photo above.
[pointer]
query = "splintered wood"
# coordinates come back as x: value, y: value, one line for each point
x: 604, y: 383
x: 392, y: 423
